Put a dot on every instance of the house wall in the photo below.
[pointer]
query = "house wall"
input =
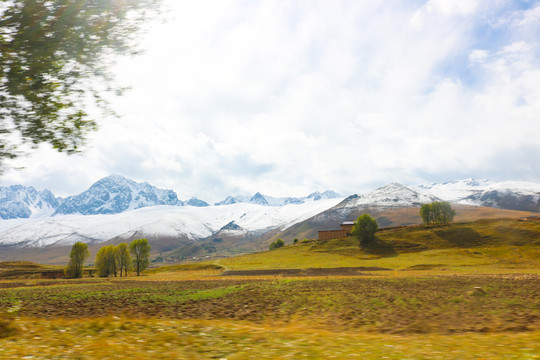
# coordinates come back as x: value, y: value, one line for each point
x: 331, y: 234
x: 348, y: 228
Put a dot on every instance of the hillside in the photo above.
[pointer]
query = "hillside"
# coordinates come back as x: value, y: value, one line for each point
x: 464, y: 246
x: 386, y: 217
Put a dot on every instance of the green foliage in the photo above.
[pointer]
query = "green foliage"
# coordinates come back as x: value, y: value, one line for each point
x: 364, y: 229
x: 276, y: 244
x: 79, y: 253
x: 54, y: 62
x: 123, y: 259
x: 295, y: 241
x: 140, y: 250
x: 106, y: 261
x: 437, y: 213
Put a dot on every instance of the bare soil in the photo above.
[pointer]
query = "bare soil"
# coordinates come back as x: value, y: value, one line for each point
x: 436, y: 304
x: 340, y: 271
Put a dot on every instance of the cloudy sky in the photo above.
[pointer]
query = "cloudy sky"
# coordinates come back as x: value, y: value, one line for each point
x: 290, y: 97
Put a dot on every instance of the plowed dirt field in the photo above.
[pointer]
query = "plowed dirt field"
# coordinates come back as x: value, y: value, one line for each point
x: 432, y: 304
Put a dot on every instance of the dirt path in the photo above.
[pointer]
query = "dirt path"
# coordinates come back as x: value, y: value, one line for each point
x: 218, y: 262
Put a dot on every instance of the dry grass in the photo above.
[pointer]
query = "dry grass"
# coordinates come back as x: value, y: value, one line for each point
x: 123, y: 338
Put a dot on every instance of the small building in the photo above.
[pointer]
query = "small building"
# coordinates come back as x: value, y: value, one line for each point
x: 346, y: 230
x: 347, y: 226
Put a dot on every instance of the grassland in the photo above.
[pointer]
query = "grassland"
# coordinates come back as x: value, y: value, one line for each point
x: 467, y: 291
x: 482, y: 246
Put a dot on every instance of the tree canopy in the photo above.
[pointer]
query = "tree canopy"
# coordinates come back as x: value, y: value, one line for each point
x: 364, y: 228
x: 122, y: 258
x: 79, y: 253
x: 140, y: 250
x: 54, y: 61
x: 437, y: 213
x: 106, y: 261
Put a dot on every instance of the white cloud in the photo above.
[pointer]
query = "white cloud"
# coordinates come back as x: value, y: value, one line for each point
x: 452, y: 7
x: 288, y: 98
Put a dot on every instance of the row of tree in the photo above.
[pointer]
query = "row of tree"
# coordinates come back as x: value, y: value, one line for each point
x: 436, y: 213
x: 110, y: 259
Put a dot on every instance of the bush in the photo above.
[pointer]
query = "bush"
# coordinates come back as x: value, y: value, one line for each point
x: 276, y: 244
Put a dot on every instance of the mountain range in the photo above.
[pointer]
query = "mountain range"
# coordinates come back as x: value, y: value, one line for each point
x: 116, y: 209
x: 115, y: 194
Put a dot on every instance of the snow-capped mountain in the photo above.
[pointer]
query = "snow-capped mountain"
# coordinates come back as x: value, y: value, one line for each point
x: 185, y: 222
x: 196, y: 202
x: 136, y: 210
x: 115, y: 194
x: 19, y: 201
x: 455, y: 190
x: 388, y: 196
x: 328, y: 194
x: 258, y: 199
x: 231, y: 229
x: 512, y: 195
x: 261, y: 199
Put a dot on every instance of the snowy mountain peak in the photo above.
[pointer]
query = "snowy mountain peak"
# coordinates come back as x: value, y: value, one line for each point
x: 259, y: 199
x: 266, y: 200
x: 328, y: 194
x: 391, y: 195
x: 196, y: 202
x: 469, y: 183
x: 228, y: 201
x: 17, y: 201
x: 231, y: 226
x: 114, y: 194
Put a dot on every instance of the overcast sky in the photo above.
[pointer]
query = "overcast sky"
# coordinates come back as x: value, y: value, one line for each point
x: 291, y: 97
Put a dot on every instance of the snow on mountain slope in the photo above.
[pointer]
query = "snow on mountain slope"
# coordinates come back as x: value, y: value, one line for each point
x: 388, y: 196
x: 518, y: 195
x: 455, y: 190
x: 522, y: 187
x: 171, y: 221
x: 19, y: 201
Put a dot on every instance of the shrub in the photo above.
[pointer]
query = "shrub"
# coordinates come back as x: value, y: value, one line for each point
x: 276, y: 244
